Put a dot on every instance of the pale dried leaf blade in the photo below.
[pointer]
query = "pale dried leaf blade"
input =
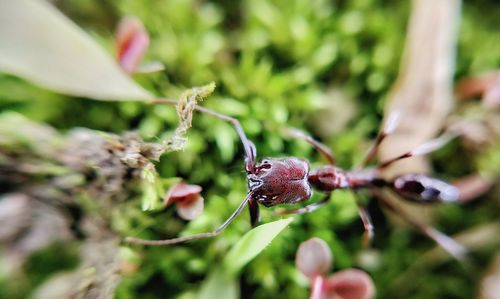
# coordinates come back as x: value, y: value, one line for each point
x: 40, y: 44
x: 185, y: 108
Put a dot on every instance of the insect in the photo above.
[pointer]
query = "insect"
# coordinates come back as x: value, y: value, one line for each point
x: 276, y: 181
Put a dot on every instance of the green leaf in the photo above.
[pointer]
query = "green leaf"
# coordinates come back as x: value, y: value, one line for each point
x: 151, y: 190
x: 252, y: 243
x: 224, y: 138
x: 40, y: 44
x: 219, y: 285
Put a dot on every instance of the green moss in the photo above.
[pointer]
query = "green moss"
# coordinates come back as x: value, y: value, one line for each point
x: 273, y: 62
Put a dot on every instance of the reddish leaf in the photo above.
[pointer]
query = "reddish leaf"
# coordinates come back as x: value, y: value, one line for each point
x: 348, y: 284
x: 313, y: 257
x: 182, y: 194
x: 191, y: 211
x: 132, y: 41
x: 187, y: 199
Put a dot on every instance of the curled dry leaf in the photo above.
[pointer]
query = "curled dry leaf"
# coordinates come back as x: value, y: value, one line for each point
x: 182, y: 193
x: 348, y: 284
x: 187, y: 199
x: 132, y: 41
x: 192, y: 211
x: 313, y: 257
x: 185, y: 107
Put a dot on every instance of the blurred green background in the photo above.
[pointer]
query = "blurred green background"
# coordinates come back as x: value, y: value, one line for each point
x: 323, y: 66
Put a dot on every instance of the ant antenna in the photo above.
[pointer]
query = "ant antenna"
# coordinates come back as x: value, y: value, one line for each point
x: 196, y: 236
x: 249, y: 147
x: 389, y: 127
x: 250, y: 156
x: 320, y: 147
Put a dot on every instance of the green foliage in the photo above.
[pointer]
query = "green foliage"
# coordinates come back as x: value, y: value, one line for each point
x: 276, y: 64
x: 252, y: 243
x: 221, y: 282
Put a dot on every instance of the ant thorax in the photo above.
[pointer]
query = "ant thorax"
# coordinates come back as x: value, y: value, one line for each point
x: 329, y: 178
x: 280, y: 181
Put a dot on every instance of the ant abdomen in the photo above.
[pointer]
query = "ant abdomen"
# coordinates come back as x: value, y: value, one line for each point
x: 424, y: 189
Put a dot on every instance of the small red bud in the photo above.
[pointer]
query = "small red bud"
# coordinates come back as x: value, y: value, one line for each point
x: 132, y: 41
x: 187, y: 199
x: 182, y: 194
x: 192, y: 211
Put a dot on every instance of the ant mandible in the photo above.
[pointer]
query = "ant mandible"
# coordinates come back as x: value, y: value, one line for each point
x: 276, y: 181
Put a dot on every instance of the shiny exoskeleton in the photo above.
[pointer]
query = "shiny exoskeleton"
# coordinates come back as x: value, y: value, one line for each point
x: 276, y: 181
x: 288, y: 180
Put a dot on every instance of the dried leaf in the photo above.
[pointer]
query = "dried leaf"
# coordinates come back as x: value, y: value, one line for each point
x: 423, y: 92
x: 185, y: 107
x: 182, y: 194
x: 191, y: 211
x: 41, y: 45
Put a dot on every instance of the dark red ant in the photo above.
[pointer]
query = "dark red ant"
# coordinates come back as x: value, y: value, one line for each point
x: 289, y: 180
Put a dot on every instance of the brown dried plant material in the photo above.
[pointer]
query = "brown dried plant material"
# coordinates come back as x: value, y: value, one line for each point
x: 185, y: 108
x: 187, y: 198
x: 42, y: 45
x: 422, y: 94
x: 48, y: 173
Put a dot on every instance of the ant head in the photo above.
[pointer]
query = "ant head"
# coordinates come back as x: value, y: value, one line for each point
x: 277, y: 181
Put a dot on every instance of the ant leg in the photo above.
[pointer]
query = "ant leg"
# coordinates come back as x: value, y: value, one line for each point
x: 196, y: 236
x: 389, y: 128
x: 423, y: 149
x: 254, y: 212
x: 308, y: 208
x: 249, y: 147
x: 320, y: 147
x: 367, y: 222
x: 451, y: 246
x: 250, y: 151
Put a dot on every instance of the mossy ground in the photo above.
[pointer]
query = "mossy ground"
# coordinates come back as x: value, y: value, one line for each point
x: 276, y: 64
